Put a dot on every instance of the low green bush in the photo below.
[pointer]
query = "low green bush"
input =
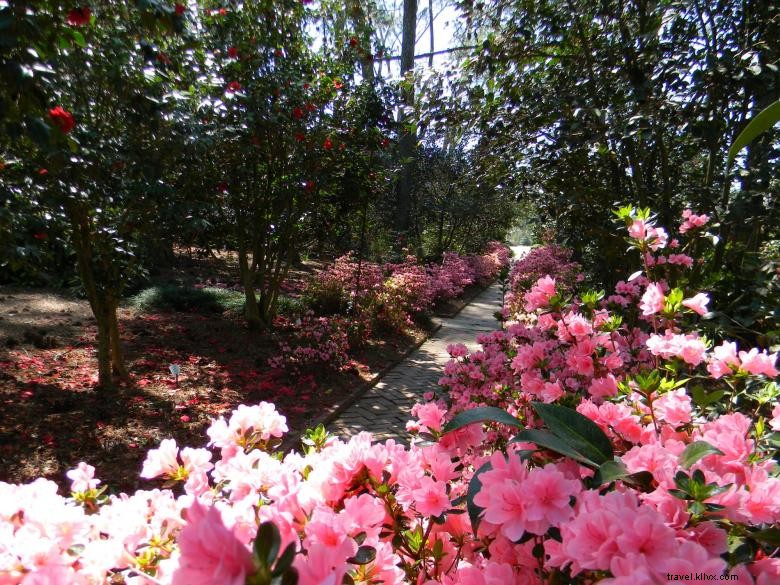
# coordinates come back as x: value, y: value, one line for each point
x: 188, y: 299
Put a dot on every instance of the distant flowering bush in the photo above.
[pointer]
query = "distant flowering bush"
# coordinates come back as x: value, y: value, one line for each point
x: 548, y: 260
x: 398, y: 292
x: 310, y: 342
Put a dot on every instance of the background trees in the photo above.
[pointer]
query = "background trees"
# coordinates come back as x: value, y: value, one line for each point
x: 591, y: 104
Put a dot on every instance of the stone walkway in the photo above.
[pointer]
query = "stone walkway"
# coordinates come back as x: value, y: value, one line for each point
x: 386, y: 407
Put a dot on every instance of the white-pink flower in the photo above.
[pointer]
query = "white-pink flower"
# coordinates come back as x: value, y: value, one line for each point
x: 82, y: 478
x: 697, y: 303
x: 757, y: 363
x: 653, y: 300
x: 161, y: 461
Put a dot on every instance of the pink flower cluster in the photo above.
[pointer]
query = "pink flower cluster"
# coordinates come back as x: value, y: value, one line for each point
x: 692, y: 221
x: 539, y: 262
x: 394, y: 294
x: 311, y: 342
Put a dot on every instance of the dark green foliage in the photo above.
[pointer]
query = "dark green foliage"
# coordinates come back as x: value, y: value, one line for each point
x: 188, y: 299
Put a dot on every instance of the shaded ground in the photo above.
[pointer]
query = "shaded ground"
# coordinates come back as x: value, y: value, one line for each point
x: 53, y: 417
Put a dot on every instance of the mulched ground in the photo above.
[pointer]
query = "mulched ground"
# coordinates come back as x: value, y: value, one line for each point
x: 53, y: 416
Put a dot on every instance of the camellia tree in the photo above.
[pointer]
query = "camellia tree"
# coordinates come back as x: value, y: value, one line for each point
x: 89, y: 146
x: 283, y: 135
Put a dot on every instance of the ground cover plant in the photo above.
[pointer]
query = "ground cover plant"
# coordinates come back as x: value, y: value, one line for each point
x: 575, y: 447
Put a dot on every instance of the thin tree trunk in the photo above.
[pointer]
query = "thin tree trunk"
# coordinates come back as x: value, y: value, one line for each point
x: 406, y: 144
x: 430, y: 31
x: 105, y: 380
x: 100, y: 304
x: 251, y: 308
x: 118, y: 366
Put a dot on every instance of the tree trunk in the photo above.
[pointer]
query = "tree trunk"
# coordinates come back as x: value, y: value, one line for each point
x: 117, y: 359
x: 430, y: 31
x: 251, y: 308
x: 105, y: 379
x: 101, y: 301
x: 406, y: 144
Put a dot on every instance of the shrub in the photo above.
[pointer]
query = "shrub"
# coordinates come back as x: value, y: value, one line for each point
x: 311, y: 342
x: 188, y: 299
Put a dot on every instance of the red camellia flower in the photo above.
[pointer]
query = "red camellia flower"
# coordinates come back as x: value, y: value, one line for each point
x: 306, y: 86
x: 43, y: 172
x: 62, y: 119
x: 311, y: 107
x: 40, y: 236
x: 222, y: 11
x: 279, y: 53
x: 180, y: 9
x: 338, y: 84
x: 353, y: 42
x: 79, y: 16
x: 327, y: 145
x: 297, y: 113
x: 232, y: 52
x: 300, y: 137
x: 233, y: 86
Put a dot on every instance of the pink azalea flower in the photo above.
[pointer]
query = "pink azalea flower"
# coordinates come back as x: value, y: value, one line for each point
x: 82, y: 478
x: 653, y: 300
x: 774, y: 424
x: 431, y: 497
x: 603, y: 387
x: 673, y: 407
x: 638, y: 229
x: 756, y: 362
x: 698, y: 303
x: 210, y: 552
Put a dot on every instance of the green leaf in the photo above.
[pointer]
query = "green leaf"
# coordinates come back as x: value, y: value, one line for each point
x: 759, y: 124
x: 363, y: 556
x: 768, y: 535
x: 39, y: 131
x: 695, y: 451
x: 267, y: 543
x: 78, y: 38
x: 548, y: 440
x: 701, y: 398
x: 610, y: 471
x: 285, y: 560
x: 481, y: 414
x: 475, y: 485
x: 578, y: 431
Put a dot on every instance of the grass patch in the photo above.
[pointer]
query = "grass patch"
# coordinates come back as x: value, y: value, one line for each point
x: 188, y: 299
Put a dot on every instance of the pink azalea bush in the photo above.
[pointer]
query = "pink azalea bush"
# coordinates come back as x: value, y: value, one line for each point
x: 582, y: 444
x: 311, y: 342
x: 548, y: 260
x: 395, y: 293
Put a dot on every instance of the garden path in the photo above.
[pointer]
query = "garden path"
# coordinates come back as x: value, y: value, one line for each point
x: 384, y: 409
